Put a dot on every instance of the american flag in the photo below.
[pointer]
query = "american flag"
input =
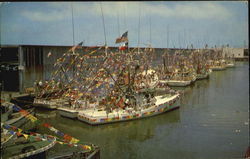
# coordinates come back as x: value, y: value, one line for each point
x: 123, y: 38
x: 76, y: 46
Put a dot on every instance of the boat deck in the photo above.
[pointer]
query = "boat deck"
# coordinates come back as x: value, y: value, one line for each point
x: 16, y: 150
x: 163, y: 104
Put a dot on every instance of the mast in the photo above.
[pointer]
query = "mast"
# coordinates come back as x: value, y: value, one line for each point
x: 150, y: 40
x: 72, y: 19
x: 139, y: 28
x: 73, y: 32
x: 179, y: 40
x: 104, y: 30
x: 167, y: 36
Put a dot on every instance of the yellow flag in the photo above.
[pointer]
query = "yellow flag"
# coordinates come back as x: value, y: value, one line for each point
x: 26, y: 136
x: 80, y: 94
x: 74, y: 140
x: 87, y: 147
x: 19, y: 130
x: 60, y: 142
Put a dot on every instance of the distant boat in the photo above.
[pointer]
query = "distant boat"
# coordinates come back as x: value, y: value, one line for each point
x: 202, y: 76
x: 230, y: 63
x: 177, y: 83
x: 49, y: 103
x: 218, y: 65
x: 180, y: 79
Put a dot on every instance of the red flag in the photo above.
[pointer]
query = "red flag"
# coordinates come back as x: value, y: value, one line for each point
x: 124, y: 46
x: 46, y: 125
x: 120, y: 103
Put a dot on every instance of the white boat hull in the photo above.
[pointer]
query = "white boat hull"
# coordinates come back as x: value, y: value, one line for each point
x: 67, y: 112
x: 176, y: 83
x: 229, y: 65
x: 49, y: 104
x: 202, y: 76
x: 118, y: 116
x: 21, y: 121
x: 219, y: 68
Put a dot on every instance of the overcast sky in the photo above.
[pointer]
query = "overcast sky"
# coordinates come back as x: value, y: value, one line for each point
x: 173, y: 24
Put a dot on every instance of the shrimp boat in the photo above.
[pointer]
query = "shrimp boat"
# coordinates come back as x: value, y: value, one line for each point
x: 180, y: 79
x: 217, y: 63
x: 19, y: 147
x: 131, y: 94
x: 201, y: 67
x: 146, y: 108
x: 180, y: 74
x: 230, y: 63
x: 218, y: 66
x: 50, y: 99
x: 204, y: 75
x: 129, y: 100
x: 49, y: 103
x: 229, y: 59
x: 40, y: 146
x: 11, y: 117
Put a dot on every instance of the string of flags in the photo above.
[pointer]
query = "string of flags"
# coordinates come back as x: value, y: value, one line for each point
x: 32, y: 136
x: 78, y: 75
x: 67, y: 139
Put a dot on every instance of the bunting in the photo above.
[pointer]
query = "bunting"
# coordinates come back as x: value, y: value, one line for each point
x: 38, y: 137
x: 67, y: 138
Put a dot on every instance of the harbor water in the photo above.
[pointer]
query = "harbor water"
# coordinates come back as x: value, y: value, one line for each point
x: 212, y: 122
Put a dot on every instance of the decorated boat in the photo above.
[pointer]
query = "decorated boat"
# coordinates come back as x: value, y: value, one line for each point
x: 130, y: 94
x: 146, y: 108
x: 68, y: 112
x: 217, y: 61
x: 177, y: 70
x: 230, y: 63
x: 218, y: 66
x: 26, y: 144
x: 35, y: 145
x: 20, y: 147
x: 200, y: 58
x: 12, y: 117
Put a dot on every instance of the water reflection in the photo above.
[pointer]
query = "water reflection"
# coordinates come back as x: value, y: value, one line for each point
x: 31, y: 75
x: 122, y: 138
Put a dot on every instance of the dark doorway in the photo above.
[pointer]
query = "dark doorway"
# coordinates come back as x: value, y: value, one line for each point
x: 9, y: 69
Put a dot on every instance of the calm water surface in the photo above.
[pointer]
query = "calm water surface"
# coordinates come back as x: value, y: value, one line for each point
x: 213, y: 122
